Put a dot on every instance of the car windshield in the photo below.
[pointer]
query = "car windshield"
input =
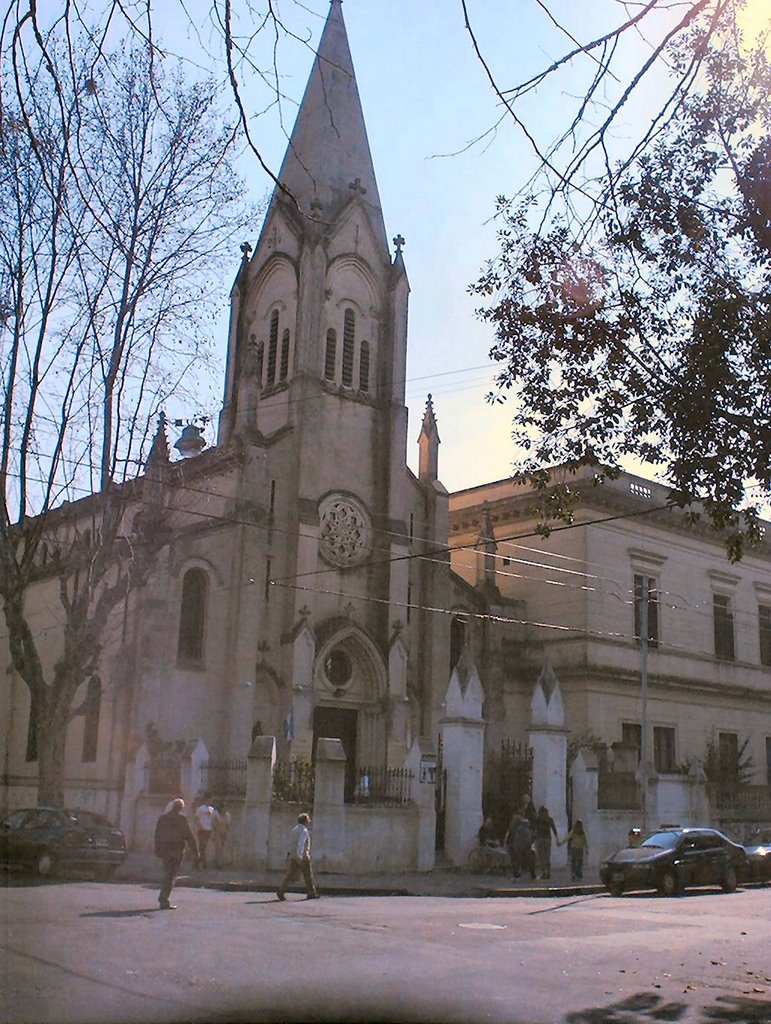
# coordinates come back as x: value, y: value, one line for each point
x: 661, y: 840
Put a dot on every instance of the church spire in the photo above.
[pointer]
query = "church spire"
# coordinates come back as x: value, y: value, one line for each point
x: 428, y: 444
x: 328, y: 161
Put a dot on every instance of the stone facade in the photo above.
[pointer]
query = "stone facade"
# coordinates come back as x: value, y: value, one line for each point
x: 313, y: 588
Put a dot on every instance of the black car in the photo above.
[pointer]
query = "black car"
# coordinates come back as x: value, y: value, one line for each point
x: 49, y: 839
x: 758, y: 849
x: 672, y: 859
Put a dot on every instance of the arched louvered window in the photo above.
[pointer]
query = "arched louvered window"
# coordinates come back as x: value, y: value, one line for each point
x: 91, y: 721
x: 192, y: 616
x: 364, y: 367
x: 330, y: 355
x: 260, y: 360
x: 272, y: 348
x: 284, y: 370
x: 349, y: 338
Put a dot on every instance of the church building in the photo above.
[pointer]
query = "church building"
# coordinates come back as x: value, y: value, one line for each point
x: 314, y: 587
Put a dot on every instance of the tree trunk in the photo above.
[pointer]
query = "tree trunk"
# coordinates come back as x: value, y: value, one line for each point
x: 51, y: 736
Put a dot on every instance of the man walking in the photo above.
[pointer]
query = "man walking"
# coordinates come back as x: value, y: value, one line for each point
x: 205, y: 816
x: 172, y: 832
x: 300, y: 859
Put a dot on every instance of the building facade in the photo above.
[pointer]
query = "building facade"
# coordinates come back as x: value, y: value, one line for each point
x: 312, y: 586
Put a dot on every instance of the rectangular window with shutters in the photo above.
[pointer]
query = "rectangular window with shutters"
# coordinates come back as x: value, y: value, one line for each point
x: 764, y: 628
x: 640, y: 582
x: 663, y: 748
x: 723, y: 620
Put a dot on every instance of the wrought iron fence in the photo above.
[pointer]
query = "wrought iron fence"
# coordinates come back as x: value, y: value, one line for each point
x: 163, y: 775
x: 294, y: 782
x: 224, y: 778
x: 508, y: 780
x: 382, y: 786
x: 739, y: 802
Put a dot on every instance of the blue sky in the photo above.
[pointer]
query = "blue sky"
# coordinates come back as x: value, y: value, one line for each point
x: 425, y: 98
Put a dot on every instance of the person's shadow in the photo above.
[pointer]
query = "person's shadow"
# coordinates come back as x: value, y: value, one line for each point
x: 123, y: 913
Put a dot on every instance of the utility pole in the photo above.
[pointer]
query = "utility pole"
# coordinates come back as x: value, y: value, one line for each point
x: 644, y: 756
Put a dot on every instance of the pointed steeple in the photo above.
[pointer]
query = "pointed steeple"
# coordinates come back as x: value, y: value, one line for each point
x: 328, y: 161
x: 428, y: 444
x: 159, y: 455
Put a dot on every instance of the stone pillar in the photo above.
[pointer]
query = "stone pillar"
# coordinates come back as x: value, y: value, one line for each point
x: 136, y: 771
x: 463, y: 733
x: 421, y: 761
x: 259, y: 791
x: 190, y: 772
x: 548, y: 739
x: 329, y: 806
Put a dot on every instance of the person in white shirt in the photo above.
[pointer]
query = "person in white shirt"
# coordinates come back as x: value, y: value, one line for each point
x: 299, y: 859
x: 205, y: 816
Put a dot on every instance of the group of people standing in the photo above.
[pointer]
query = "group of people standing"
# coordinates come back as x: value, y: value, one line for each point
x: 528, y: 841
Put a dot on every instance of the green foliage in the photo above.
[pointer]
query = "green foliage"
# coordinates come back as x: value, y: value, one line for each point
x: 641, y: 331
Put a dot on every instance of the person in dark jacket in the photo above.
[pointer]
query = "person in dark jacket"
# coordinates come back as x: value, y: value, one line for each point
x: 172, y: 832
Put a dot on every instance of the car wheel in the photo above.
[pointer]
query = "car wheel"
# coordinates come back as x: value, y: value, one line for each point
x: 669, y: 884
x: 45, y: 864
x: 730, y: 880
x: 615, y: 888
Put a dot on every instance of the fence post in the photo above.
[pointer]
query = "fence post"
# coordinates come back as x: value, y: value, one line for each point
x: 328, y: 805
x: 259, y: 789
x: 548, y: 739
x: 421, y: 761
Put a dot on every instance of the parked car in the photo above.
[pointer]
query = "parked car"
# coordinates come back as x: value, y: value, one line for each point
x: 758, y: 850
x: 49, y: 839
x: 672, y: 859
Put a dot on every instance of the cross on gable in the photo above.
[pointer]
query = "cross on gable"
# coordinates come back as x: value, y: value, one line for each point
x: 245, y: 249
x: 398, y: 242
x: 357, y: 187
x: 316, y: 205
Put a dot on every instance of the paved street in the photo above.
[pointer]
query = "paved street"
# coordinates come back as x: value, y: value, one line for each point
x: 101, y: 952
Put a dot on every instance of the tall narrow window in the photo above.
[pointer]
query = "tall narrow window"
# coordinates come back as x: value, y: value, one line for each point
x: 266, y: 590
x: 364, y: 367
x: 409, y: 602
x: 330, y: 355
x: 723, y: 619
x: 260, y: 360
x: 663, y: 748
x: 653, y: 609
x: 284, y: 370
x: 272, y: 499
x: 764, y: 628
x: 273, y: 348
x: 349, y: 338
x: 91, y: 722
x: 457, y: 639
x: 192, y: 616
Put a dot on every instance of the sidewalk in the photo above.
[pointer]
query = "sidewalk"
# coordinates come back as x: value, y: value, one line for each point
x: 442, y: 881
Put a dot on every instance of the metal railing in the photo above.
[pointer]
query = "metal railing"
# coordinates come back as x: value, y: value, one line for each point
x: 224, y: 778
x: 294, y: 782
x: 391, y: 786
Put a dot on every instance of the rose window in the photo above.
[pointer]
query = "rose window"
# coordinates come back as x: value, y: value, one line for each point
x: 345, y: 531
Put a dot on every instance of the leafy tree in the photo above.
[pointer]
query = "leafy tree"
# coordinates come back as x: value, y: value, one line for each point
x: 636, y: 326
x: 117, y: 204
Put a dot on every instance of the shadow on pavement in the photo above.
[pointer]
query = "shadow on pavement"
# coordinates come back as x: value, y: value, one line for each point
x: 648, y: 1007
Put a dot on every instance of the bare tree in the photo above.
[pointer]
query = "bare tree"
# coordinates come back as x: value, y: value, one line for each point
x: 631, y: 290
x: 117, y: 204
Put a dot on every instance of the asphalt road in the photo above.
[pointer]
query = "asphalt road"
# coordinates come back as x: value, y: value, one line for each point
x: 81, y: 952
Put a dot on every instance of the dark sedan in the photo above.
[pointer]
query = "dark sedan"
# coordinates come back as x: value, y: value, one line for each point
x: 48, y: 839
x: 758, y: 848
x: 672, y: 859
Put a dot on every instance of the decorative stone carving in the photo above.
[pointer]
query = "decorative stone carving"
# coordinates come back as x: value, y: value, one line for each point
x: 345, y: 531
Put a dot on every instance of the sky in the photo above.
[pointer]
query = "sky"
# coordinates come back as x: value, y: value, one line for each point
x: 425, y: 98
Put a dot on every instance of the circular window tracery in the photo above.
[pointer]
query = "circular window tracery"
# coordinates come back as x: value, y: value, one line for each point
x: 345, y: 537
x: 338, y: 668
